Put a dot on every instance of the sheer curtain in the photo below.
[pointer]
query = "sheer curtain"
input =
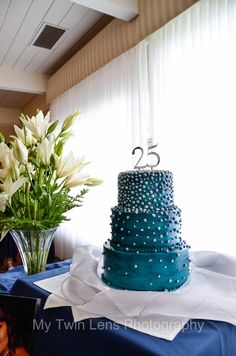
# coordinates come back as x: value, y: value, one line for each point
x: 192, y: 76
x: 114, y: 111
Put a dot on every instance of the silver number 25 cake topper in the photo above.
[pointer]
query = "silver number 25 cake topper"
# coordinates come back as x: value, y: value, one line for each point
x: 150, y: 153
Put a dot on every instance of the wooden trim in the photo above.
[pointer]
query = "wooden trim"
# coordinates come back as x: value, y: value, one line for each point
x: 113, y: 40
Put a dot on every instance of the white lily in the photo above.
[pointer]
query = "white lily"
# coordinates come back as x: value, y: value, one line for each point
x: 38, y: 124
x: 24, y: 136
x: 69, y: 165
x: 76, y: 180
x: 9, y: 187
x: 45, y: 151
x: 20, y: 151
x: 3, y: 201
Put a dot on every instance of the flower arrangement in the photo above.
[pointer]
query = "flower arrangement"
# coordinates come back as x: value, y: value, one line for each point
x: 36, y: 178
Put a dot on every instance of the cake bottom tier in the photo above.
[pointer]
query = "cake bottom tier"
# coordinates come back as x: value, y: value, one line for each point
x: 145, y: 271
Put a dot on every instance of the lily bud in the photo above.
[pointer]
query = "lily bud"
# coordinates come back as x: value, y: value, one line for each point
x: 45, y: 150
x: 75, y: 180
x: 15, y: 172
x: 2, y: 138
x: 3, y: 201
x: 69, y: 121
x: 91, y: 182
x: 20, y: 151
x: 66, y: 135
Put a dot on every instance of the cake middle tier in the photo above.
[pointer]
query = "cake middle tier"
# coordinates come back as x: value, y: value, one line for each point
x: 146, y: 231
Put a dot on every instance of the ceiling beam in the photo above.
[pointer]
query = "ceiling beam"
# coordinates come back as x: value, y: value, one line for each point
x: 122, y: 9
x: 25, y: 82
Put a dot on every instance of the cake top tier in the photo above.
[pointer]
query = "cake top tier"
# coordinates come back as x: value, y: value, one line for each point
x: 145, y: 190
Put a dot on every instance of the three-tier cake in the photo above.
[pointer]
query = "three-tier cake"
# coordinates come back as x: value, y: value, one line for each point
x: 146, y: 251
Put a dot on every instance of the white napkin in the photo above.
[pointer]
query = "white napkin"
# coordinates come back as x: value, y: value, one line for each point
x: 209, y: 293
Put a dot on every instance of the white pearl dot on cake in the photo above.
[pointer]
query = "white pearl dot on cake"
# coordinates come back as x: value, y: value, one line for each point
x: 134, y: 243
x: 170, y: 280
x: 126, y: 273
x: 135, y: 266
x: 109, y: 268
x: 150, y: 260
x: 159, y: 276
x: 172, y: 261
x: 165, y: 267
x: 122, y: 238
x: 150, y: 283
x: 161, y: 260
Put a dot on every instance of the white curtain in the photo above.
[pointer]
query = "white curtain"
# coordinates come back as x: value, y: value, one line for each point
x: 192, y: 76
x: 114, y: 111
x: 176, y: 87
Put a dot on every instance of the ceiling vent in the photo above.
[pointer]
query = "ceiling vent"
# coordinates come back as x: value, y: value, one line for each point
x: 48, y: 37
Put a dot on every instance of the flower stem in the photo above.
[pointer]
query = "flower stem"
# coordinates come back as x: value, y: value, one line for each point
x: 28, y: 200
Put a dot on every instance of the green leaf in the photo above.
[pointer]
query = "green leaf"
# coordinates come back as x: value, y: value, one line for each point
x: 52, y: 127
x: 2, y: 138
x: 59, y: 148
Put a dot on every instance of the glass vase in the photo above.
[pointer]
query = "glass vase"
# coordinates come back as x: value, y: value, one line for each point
x: 33, y: 246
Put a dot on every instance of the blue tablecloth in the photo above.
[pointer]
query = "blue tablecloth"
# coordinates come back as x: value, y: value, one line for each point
x: 58, y: 335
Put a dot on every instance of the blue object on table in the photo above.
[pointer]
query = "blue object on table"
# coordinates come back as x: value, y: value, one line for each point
x: 103, y: 337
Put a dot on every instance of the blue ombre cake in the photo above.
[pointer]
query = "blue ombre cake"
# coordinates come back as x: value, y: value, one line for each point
x: 146, y: 251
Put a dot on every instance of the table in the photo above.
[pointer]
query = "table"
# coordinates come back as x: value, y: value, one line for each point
x: 103, y: 337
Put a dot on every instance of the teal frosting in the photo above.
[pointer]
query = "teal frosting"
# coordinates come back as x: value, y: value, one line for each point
x: 146, y: 251
x: 145, y: 270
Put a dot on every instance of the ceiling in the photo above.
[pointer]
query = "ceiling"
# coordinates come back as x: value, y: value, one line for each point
x: 21, y: 21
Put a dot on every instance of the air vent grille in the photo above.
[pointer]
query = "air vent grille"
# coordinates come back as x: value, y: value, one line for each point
x: 48, y: 37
